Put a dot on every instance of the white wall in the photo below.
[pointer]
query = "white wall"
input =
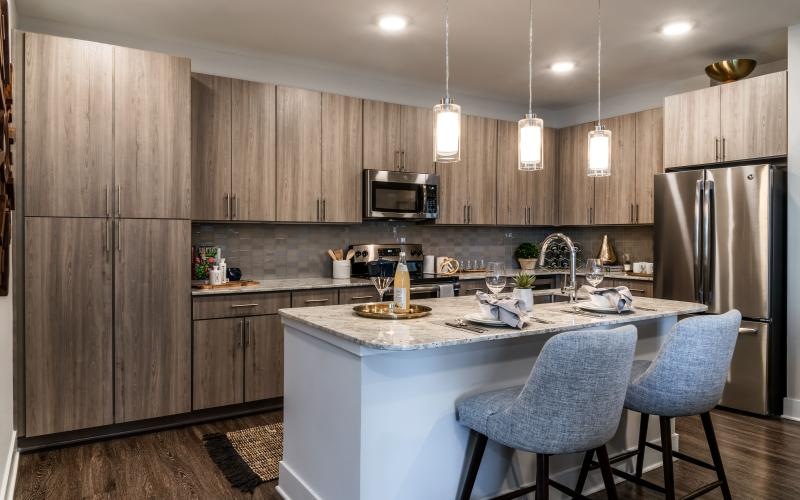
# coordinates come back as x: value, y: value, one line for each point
x: 791, y: 407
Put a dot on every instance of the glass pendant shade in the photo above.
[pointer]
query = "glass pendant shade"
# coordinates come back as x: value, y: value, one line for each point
x: 530, y: 143
x: 599, y: 152
x: 447, y: 132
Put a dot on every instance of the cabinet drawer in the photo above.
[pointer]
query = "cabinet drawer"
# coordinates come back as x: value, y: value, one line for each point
x: 638, y: 288
x: 309, y: 298
x: 470, y: 287
x: 245, y: 304
x: 358, y: 295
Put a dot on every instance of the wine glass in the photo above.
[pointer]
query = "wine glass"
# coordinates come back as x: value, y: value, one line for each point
x: 594, y: 272
x: 382, y: 284
x: 495, y: 277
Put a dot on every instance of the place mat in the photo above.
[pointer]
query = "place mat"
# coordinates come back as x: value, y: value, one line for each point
x: 248, y: 457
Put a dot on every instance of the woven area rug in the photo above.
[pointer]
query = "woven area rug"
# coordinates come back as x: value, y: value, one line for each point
x: 248, y: 457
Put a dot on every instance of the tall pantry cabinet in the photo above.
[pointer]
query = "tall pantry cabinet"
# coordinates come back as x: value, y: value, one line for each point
x: 107, y: 200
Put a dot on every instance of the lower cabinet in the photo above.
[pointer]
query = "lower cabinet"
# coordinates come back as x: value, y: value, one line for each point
x: 359, y: 295
x: 218, y: 363
x: 263, y: 357
x: 638, y: 288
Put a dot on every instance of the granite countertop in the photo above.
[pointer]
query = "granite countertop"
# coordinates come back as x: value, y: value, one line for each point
x: 286, y: 284
x: 431, y: 332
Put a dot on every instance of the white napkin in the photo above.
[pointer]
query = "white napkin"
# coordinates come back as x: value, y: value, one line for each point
x: 619, y: 297
x: 508, y: 310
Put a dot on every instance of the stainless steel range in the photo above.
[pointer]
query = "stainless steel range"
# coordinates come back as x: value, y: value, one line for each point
x: 377, y: 259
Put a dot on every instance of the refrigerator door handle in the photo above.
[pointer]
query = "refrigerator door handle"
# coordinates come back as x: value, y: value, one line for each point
x: 708, y: 241
x: 696, y: 250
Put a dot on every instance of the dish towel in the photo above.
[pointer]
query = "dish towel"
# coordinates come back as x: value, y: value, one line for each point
x: 508, y: 310
x: 619, y: 297
x: 446, y: 290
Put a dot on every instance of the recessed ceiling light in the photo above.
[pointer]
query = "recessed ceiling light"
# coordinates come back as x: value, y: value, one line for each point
x: 562, y: 66
x: 676, y: 28
x: 392, y: 23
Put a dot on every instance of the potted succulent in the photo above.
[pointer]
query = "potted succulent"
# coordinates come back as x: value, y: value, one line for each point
x: 526, y: 255
x: 523, y: 289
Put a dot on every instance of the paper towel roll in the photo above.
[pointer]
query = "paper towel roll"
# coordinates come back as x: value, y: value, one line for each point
x: 429, y: 264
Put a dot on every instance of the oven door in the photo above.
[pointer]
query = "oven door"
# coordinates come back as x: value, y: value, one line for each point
x: 395, y: 195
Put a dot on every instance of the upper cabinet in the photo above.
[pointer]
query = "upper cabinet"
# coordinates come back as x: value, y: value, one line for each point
x: 398, y: 137
x: 68, y: 127
x: 309, y: 190
x: 576, y: 189
x: 735, y: 121
x: 469, y: 187
x: 615, y: 195
x: 152, y: 134
x: 233, y: 149
x: 649, y: 161
x: 525, y: 198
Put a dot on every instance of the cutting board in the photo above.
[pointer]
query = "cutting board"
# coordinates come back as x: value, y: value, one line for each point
x: 225, y: 286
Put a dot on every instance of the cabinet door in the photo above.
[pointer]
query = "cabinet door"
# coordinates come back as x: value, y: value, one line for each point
x: 253, y: 151
x: 152, y: 318
x: 218, y: 363
x: 299, y: 137
x: 68, y: 325
x: 211, y: 147
x: 638, y: 288
x: 753, y: 117
x: 480, y: 162
x: 615, y: 196
x: 452, y: 191
x: 152, y: 134
x: 692, y: 128
x: 576, y: 189
x: 513, y: 185
x: 382, y: 132
x: 341, y: 158
x: 649, y: 160
x: 417, y: 144
x: 471, y: 287
x: 313, y: 298
x: 358, y: 295
x: 543, y: 190
x: 263, y: 362
x: 68, y: 127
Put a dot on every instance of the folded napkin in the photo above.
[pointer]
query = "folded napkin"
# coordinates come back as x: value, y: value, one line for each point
x: 508, y: 310
x: 619, y: 297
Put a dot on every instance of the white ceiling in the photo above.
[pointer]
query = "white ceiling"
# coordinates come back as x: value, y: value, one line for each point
x: 488, y: 38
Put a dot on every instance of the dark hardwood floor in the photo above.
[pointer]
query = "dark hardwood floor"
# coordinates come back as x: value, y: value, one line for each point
x: 762, y: 460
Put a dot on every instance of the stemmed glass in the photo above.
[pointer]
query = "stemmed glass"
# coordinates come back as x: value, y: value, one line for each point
x: 382, y: 281
x: 594, y: 272
x: 495, y: 277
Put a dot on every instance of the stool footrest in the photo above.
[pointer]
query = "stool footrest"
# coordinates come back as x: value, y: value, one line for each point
x: 702, y: 490
x: 528, y: 489
x: 683, y: 456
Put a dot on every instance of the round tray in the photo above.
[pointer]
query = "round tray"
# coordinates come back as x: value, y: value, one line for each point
x: 385, y: 310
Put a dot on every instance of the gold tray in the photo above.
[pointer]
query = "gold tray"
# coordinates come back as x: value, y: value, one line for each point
x: 384, y: 310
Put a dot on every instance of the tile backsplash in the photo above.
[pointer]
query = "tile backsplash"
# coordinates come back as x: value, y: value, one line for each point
x: 298, y: 250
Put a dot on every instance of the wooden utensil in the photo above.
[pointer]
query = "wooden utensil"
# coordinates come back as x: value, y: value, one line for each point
x: 339, y: 254
x: 333, y: 255
x: 350, y: 254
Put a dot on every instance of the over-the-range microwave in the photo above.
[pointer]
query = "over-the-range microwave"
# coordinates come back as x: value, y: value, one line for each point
x: 400, y: 195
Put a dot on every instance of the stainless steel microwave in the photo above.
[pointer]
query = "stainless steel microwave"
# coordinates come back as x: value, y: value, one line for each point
x: 400, y: 195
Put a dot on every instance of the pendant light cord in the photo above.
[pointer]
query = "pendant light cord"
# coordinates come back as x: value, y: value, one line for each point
x: 530, y: 60
x: 447, y: 49
x: 599, y: 45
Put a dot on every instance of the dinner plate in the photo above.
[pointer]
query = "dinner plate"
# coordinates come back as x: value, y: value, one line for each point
x: 483, y: 320
x: 603, y: 309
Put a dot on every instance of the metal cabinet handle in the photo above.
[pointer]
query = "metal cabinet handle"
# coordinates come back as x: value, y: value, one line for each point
x: 403, y: 161
x: 234, y: 306
x: 724, y: 141
x: 396, y: 159
x: 324, y: 209
x: 119, y: 236
x: 105, y: 237
x: 108, y: 205
x: 636, y: 218
x: 638, y: 290
x: 716, y: 148
x: 464, y: 216
x: 119, y: 200
x: 233, y: 206
x: 751, y: 331
x: 316, y: 301
x: 361, y: 297
x: 317, y: 209
x: 246, y: 332
x: 469, y: 214
x: 226, y: 205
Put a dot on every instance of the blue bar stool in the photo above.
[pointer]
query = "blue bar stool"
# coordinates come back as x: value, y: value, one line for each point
x: 686, y: 378
x: 571, y: 403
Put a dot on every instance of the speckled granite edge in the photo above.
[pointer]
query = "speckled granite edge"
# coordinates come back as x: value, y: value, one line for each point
x: 282, y: 285
x: 430, y: 332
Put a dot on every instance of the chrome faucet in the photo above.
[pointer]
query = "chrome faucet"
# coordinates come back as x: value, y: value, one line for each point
x: 572, y: 288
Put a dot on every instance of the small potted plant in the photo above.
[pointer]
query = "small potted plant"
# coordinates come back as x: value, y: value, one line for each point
x: 523, y: 289
x: 526, y: 255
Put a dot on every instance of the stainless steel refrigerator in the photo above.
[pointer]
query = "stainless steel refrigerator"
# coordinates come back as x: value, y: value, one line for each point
x: 720, y: 239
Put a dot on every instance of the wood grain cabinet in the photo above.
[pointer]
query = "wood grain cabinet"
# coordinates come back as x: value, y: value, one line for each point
x: 358, y: 295
x: 615, y: 195
x: 263, y: 358
x: 398, y: 137
x: 736, y: 121
x: 649, y: 161
x: 310, y: 189
x: 575, y: 187
x: 638, y: 288
x: 233, y: 149
x: 525, y: 198
x: 468, y: 192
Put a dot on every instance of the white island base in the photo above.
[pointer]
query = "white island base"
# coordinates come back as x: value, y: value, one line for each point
x: 379, y: 423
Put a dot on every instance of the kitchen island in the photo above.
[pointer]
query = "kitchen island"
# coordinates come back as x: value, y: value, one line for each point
x: 369, y: 405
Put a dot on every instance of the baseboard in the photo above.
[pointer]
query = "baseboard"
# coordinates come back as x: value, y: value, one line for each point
x: 791, y: 409
x: 9, y: 479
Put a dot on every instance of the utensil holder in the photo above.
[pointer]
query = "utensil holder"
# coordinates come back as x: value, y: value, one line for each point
x: 341, y: 269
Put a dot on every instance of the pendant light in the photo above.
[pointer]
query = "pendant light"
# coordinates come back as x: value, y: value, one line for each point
x: 447, y: 114
x: 530, y: 127
x: 600, y: 137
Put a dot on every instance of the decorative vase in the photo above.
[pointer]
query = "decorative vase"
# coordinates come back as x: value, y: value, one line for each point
x: 526, y: 296
x: 607, y: 255
x: 527, y: 264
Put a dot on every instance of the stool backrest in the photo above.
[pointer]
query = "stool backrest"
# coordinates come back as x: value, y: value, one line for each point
x: 574, y: 395
x: 691, y: 368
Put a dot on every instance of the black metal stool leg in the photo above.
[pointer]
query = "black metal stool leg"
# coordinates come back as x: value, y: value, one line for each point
x: 715, y: 455
x: 478, y: 447
x: 605, y: 470
x: 587, y: 462
x: 645, y: 419
x: 666, y: 457
x: 542, y: 476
